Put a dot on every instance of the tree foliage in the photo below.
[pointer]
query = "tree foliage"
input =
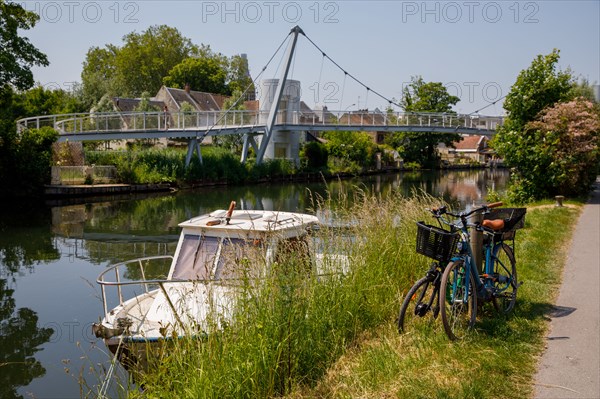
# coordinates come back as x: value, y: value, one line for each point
x: 558, y: 153
x: 159, y: 55
x: 315, y: 154
x: 207, y: 73
x: 17, y: 54
x: 138, y: 66
x: 535, y: 142
x: 536, y: 88
x: 25, y: 158
x: 421, y: 96
x: 233, y: 142
x: 355, y: 148
x: 420, y: 147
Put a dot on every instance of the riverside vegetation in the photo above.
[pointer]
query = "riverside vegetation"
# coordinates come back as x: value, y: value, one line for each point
x: 302, y: 336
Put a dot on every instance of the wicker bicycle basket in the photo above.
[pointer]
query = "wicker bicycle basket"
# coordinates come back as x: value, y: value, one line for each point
x: 514, y: 219
x: 435, y: 243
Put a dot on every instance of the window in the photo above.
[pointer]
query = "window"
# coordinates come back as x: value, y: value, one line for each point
x: 280, y: 150
x: 196, y: 257
x: 240, y: 259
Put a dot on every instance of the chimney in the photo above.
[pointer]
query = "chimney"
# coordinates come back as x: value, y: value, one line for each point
x: 187, y: 88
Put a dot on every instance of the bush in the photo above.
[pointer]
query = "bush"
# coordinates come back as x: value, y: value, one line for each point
x: 26, y: 160
x: 557, y: 154
x: 315, y: 154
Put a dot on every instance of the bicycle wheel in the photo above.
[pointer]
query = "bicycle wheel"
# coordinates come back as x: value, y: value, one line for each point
x: 420, y: 306
x: 458, y: 313
x: 505, y: 279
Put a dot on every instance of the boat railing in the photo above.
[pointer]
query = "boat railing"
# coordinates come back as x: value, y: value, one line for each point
x: 142, y: 263
x: 145, y: 283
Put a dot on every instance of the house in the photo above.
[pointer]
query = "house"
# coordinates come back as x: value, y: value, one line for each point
x: 364, y: 117
x: 470, y: 149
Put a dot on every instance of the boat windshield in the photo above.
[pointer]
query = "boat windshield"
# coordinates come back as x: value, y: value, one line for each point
x: 240, y: 259
x: 196, y: 257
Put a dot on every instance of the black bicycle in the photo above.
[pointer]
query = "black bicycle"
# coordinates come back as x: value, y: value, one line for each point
x: 421, y: 304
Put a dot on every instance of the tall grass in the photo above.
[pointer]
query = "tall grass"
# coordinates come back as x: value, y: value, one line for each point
x: 288, y: 333
x: 150, y: 165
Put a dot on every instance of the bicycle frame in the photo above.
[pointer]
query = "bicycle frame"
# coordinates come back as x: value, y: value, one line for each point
x: 466, y: 255
x: 483, y: 286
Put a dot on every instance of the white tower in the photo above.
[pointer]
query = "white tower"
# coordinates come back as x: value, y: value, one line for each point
x: 283, y: 143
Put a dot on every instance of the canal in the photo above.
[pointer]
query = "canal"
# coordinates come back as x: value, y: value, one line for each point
x: 52, y: 252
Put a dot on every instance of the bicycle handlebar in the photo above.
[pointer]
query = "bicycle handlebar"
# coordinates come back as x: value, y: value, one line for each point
x: 439, y: 212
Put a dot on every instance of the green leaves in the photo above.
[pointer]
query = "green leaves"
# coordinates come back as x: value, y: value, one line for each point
x: 421, y: 96
x: 17, y: 54
x: 552, y: 144
x: 136, y: 67
x: 207, y: 74
x: 536, y: 88
x: 159, y: 55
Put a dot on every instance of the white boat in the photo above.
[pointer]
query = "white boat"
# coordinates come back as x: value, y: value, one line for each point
x: 215, y: 255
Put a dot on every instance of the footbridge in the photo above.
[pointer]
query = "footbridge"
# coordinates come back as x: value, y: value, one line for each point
x: 190, y: 125
x: 195, y: 126
x: 273, y: 129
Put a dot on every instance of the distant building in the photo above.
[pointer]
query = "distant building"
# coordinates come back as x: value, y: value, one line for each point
x: 469, y: 149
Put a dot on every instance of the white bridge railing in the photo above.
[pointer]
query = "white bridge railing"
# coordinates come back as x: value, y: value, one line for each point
x: 216, y: 120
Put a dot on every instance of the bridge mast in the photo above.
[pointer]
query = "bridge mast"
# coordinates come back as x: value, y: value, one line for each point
x: 277, y: 98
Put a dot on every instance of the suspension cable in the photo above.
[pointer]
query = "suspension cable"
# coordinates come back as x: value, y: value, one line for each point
x: 320, y: 75
x: 246, y: 90
x: 343, y: 88
x: 390, y: 101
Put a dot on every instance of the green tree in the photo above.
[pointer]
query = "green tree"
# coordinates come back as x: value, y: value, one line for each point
x: 538, y: 87
x: 420, y: 147
x: 17, y: 54
x: 558, y: 153
x: 138, y: 66
x: 315, y: 154
x: 24, y: 158
x: 147, y: 57
x: 206, y: 73
x: 41, y: 101
x: 583, y: 89
x: 98, y: 75
x: 238, y: 75
x: 421, y: 96
x: 232, y: 142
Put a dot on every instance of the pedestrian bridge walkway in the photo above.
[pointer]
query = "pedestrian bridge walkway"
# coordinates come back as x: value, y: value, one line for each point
x: 194, y: 125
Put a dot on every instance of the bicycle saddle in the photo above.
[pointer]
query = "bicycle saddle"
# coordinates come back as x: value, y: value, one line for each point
x: 496, y: 225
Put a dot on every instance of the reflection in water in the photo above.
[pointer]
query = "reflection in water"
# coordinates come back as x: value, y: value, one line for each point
x: 20, y: 337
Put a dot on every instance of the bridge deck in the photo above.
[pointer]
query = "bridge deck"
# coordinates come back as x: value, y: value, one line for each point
x: 147, y: 125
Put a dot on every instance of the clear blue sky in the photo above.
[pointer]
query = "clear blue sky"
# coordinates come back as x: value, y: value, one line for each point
x: 476, y: 48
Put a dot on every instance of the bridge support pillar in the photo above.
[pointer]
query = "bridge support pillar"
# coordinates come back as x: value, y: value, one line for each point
x: 193, y: 145
x: 248, y: 140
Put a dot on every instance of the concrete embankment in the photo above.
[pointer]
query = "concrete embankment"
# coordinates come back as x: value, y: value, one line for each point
x: 102, y: 189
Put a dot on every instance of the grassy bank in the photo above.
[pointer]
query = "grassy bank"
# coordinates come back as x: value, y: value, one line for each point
x: 305, y: 337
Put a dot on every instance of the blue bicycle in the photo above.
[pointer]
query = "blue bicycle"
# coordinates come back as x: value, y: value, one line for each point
x: 453, y: 285
x: 462, y: 284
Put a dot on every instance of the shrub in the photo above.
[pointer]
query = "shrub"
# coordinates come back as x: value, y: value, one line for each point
x: 316, y: 155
